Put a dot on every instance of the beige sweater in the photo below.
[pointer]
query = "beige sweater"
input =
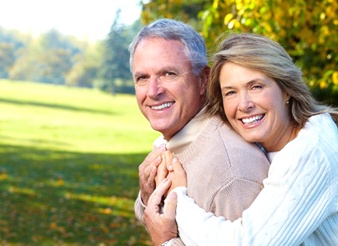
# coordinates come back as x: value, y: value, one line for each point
x: 224, y: 172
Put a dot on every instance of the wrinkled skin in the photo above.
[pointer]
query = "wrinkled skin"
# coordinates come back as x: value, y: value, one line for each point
x: 160, y: 223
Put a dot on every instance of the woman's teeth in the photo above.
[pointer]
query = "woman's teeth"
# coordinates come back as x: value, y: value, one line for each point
x: 252, y: 119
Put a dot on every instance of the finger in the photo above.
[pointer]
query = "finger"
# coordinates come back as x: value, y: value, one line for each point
x: 157, y: 161
x: 154, y: 154
x: 151, y: 159
x: 156, y: 197
x: 176, y: 166
x: 170, y: 206
x: 169, y: 157
x: 148, y: 171
x: 162, y: 171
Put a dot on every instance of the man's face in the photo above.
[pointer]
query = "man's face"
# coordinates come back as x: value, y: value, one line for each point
x: 167, y: 92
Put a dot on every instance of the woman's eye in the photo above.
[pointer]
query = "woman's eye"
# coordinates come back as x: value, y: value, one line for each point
x: 255, y: 87
x: 228, y: 93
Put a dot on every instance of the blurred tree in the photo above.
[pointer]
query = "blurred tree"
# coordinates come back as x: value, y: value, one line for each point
x: 306, y: 28
x: 27, y: 66
x: 57, y: 57
x: 7, y: 58
x: 115, y: 65
x: 46, y: 59
x: 10, y: 44
x: 85, y: 71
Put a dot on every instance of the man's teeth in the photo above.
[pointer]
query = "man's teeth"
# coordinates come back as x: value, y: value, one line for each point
x: 252, y: 119
x: 162, y: 106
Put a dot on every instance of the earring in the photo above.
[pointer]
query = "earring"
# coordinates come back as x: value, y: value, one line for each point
x: 287, y: 102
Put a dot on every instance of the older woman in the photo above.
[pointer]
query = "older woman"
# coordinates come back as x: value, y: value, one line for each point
x: 256, y: 88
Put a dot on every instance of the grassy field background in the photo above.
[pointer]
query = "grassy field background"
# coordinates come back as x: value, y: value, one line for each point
x: 68, y: 166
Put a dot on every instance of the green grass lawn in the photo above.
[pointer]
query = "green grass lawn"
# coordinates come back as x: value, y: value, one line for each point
x: 69, y: 166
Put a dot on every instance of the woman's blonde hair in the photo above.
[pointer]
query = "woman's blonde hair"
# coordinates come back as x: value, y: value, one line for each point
x: 260, y: 53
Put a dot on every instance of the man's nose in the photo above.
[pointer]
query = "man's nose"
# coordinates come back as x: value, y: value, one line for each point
x: 155, y: 89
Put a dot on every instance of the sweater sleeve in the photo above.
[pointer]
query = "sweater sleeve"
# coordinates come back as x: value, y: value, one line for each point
x: 295, y: 200
x: 139, y: 208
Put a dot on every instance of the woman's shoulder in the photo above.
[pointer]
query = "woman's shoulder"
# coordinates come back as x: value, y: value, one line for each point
x: 317, y: 143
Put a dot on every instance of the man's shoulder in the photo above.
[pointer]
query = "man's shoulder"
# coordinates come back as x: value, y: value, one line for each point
x: 224, y: 131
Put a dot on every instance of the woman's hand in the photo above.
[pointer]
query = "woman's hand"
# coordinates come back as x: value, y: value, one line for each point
x: 176, y: 174
x: 171, y: 168
x: 162, y: 170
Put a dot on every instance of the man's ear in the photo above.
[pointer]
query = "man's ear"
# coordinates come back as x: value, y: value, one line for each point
x: 204, y: 77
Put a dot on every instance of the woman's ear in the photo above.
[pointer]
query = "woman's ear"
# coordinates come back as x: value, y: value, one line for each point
x: 287, y: 98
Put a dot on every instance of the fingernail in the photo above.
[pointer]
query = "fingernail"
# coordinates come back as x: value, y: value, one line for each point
x: 173, y: 194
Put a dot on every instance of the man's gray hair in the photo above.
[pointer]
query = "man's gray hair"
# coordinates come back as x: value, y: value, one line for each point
x: 169, y: 29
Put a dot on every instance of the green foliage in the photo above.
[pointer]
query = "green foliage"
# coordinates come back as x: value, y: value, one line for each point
x: 86, y: 68
x: 115, y: 65
x: 185, y: 10
x: 68, y: 166
x: 57, y: 59
x: 47, y: 59
x: 307, y: 29
x: 10, y: 43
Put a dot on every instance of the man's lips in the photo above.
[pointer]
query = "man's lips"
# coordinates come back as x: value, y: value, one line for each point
x: 252, y: 119
x: 162, y: 106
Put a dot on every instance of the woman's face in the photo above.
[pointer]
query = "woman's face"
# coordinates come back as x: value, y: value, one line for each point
x: 255, y: 106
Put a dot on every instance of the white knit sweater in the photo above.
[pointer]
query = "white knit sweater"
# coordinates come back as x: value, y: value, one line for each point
x: 297, y: 206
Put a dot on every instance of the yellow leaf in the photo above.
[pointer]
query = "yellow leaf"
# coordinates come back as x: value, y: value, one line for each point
x: 60, y: 182
x: 53, y: 225
x: 228, y: 18
x: 335, y: 77
x: 322, y: 84
x: 3, y: 176
x: 215, y: 4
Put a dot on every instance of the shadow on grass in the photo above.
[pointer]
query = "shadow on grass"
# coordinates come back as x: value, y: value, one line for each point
x: 68, y: 198
x: 55, y: 106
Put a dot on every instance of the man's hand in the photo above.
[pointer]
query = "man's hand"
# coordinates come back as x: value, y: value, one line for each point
x: 147, y: 173
x: 161, y: 226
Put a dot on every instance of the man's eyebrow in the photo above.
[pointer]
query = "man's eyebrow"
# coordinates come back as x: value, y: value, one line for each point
x: 136, y: 74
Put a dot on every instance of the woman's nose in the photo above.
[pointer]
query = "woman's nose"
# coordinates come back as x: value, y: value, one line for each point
x: 245, y: 103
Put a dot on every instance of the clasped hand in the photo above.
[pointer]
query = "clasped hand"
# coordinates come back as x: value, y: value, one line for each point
x: 161, y: 169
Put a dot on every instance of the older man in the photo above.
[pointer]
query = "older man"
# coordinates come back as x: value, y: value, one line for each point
x: 169, y: 65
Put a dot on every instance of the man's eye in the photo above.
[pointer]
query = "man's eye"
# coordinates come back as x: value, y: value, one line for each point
x: 141, y: 78
x: 168, y: 77
x: 169, y: 74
